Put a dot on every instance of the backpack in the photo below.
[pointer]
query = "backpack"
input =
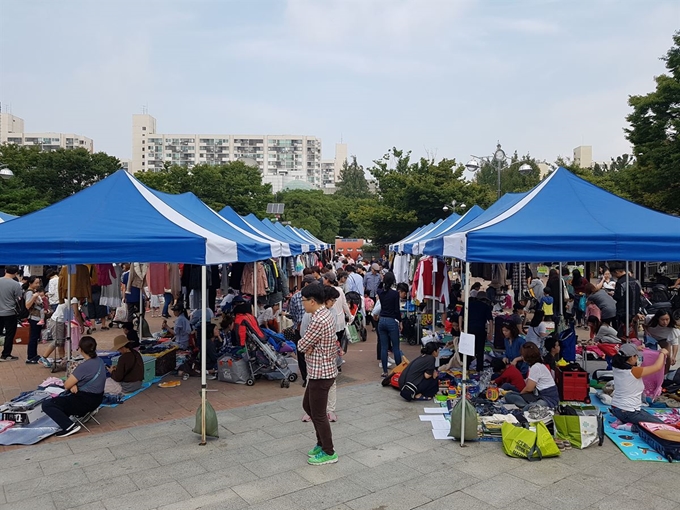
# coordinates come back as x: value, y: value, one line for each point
x: 20, y: 308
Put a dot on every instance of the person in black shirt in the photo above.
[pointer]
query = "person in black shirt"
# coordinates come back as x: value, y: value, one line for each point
x: 389, y: 324
x: 479, y: 319
x: 421, y: 374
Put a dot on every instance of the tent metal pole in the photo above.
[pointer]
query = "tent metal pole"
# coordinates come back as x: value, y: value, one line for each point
x: 627, y: 302
x: 142, y: 308
x: 69, y: 316
x: 561, y: 296
x: 255, y: 289
x: 435, y: 266
x: 466, y: 315
x: 204, y: 385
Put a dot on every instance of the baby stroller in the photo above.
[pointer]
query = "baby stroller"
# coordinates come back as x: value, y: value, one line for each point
x: 264, y: 361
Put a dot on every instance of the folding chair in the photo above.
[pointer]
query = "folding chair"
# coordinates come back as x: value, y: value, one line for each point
x: 82, y: 420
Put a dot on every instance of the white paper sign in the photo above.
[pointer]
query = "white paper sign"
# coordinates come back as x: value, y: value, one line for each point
x: 467, y: 344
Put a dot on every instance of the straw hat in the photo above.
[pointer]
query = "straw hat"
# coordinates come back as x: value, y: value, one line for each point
x: 120, y: 341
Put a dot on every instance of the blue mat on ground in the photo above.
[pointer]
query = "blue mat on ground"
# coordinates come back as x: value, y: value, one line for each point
x: 630, y: 443
x: 29, y: 434
x: 127, y: 396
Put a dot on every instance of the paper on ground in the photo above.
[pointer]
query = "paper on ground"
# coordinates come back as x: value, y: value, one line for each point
x: 431, y: 417
x: 436, y: 410
x: 440, y: 434
x: 441, y: 425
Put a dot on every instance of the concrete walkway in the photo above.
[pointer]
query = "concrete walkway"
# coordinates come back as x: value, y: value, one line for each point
x: 388, y: 461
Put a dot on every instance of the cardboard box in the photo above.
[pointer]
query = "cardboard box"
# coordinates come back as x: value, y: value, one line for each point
x: 22, y: 336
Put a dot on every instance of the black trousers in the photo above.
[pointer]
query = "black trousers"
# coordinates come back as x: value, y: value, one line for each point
x: 480, y: 343
x: 9, y: 325
x: 78, y: 404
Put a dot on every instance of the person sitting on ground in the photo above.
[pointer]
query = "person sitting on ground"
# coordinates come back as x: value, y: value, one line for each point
x: 537, y: 330
x: 552, y: 354
x: 84, y: 390
x: 474, y: 289
x: 131, y: 334
x: 661, y: 327
x: 513, y: 346
x: 196, y: 318
x: 129, y: 372
x: 628, y: 384
x: 506, y: 376
x: 182, y: 328
x: 421, y: 375
x: 539, y: 379
x: 519, y: 316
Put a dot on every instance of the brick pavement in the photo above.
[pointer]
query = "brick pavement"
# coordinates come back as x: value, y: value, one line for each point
x: 156, y: 405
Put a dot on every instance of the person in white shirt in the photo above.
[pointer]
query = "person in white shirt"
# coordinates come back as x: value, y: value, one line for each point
x: 53, y: 290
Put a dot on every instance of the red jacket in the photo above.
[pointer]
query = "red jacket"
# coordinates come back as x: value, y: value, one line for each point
x: 511, y: 375
x: 243, y: 322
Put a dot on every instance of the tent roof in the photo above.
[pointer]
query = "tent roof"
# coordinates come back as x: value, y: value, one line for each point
x: 255, y: 226
x: 418, y: 245
x: 399, y: 245
x: 6, y: 217
x: 251, y: 247
x: 116, y: 219
x: 307, y: 234
x: 567, y: 218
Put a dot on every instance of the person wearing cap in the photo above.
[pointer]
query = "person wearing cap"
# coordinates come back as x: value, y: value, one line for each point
x: 10, y: 293
x: 340, y: 308
x: 129, y: 372
x: 372, y: 280
x: 627, y: 399
x: 182, y: 327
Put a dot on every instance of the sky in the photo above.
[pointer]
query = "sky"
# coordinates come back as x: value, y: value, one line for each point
x: 444, y: 79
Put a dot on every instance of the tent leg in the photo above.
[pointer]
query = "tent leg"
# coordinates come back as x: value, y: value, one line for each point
x: 255, y: 289
x: 627, y: 303
x: 463, y: 389
x: 69, y: 307
x: 204, y: 385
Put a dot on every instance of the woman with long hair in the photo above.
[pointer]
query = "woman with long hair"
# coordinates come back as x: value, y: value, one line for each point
x: 662, y: 328
x: 34, y: 304
x: 389, y: 324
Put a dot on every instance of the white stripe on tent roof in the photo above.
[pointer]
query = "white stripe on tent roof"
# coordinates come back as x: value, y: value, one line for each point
x: 455, y: 245
x: 417, y: 248
x: 217, y: 248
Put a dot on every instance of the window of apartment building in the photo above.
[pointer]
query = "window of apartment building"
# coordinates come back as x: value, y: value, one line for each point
x: 143, y: 156
x: 143, y: 164
x: 143, y: 148
x: 143, y: 128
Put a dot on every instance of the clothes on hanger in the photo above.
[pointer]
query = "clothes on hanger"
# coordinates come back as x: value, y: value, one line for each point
x: 80, y: 283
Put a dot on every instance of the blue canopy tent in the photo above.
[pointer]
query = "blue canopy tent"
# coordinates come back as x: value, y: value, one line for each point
x: 435, y: 245
x: 193, y: 208
x: 420, y: 231
x: 270, y: 227
x: 6, y: 217
x: 306, y: 234
x: 417, y: 246
x: 289, y: 233
x: 255, y: 226
x: 598, y: 226
x: 125, y: 221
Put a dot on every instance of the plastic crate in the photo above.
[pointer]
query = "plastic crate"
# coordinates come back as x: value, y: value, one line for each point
x: 166, y: 361
x: 573, y: 385
x: 149, y: 367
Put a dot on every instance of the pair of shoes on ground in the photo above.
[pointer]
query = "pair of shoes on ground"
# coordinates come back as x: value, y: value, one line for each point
x: 563, y: 444
x: 9, y: 357
x: 332, y: 417
x: 33, y: 361
x: 74, y: 428
x: 317, y: 457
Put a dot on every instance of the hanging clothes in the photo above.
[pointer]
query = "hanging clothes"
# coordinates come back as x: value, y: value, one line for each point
x: 175, y: 280
x: 158, y: 278
x: 105, y: 274
x: 111, y: 293
x: 401, y: 267
x: 224, y: 278
x: 247, y: 280
x: 80, y: 283
x: 422, y: 282
x: 138, y: 274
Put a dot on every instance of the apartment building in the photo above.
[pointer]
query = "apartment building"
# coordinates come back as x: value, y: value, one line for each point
x: 281, y: 158
x: 12, y: 131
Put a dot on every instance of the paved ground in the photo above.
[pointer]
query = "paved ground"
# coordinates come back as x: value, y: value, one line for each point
x: 388, y: 461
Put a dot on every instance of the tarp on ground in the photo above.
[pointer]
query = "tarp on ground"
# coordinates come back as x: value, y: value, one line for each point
x: 6, y: 217
x: 567, y: 218
x: 118, y: 219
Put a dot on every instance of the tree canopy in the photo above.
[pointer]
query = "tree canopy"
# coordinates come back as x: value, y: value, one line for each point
x: 43, y: 178
x: 353, y: 183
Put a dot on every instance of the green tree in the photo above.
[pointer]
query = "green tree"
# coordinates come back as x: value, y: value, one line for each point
x: 654, y: 133
x: 43, y: 178
x: 234, y: 184
x: 512, y: 181
x: 352, y: 182
x: 313, y: 211
x: 412, y: 194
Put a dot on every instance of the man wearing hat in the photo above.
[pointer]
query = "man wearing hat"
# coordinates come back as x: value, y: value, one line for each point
x: 129, y: 371
x: 372, y: 280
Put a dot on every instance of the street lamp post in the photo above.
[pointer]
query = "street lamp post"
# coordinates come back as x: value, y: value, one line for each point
x: 496, y: 160
x: 499, y: 158
x: 5, y: 172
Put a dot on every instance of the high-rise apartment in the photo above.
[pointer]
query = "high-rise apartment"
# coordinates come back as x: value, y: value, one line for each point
x: 280, y: 158
x: 12, y: 131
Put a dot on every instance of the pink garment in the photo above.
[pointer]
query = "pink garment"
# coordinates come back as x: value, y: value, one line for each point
x: 106, y: 274
x: 158, y: 278
x: 653, y: 381
x: 593, y: 311
x: 75, y: 335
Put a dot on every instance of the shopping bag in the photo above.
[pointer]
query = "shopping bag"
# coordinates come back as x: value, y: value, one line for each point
x: 121, y: 314
x: 530, y: 444
x: 580, y: 431
x: 470, y: 432
x: 352, y: 333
